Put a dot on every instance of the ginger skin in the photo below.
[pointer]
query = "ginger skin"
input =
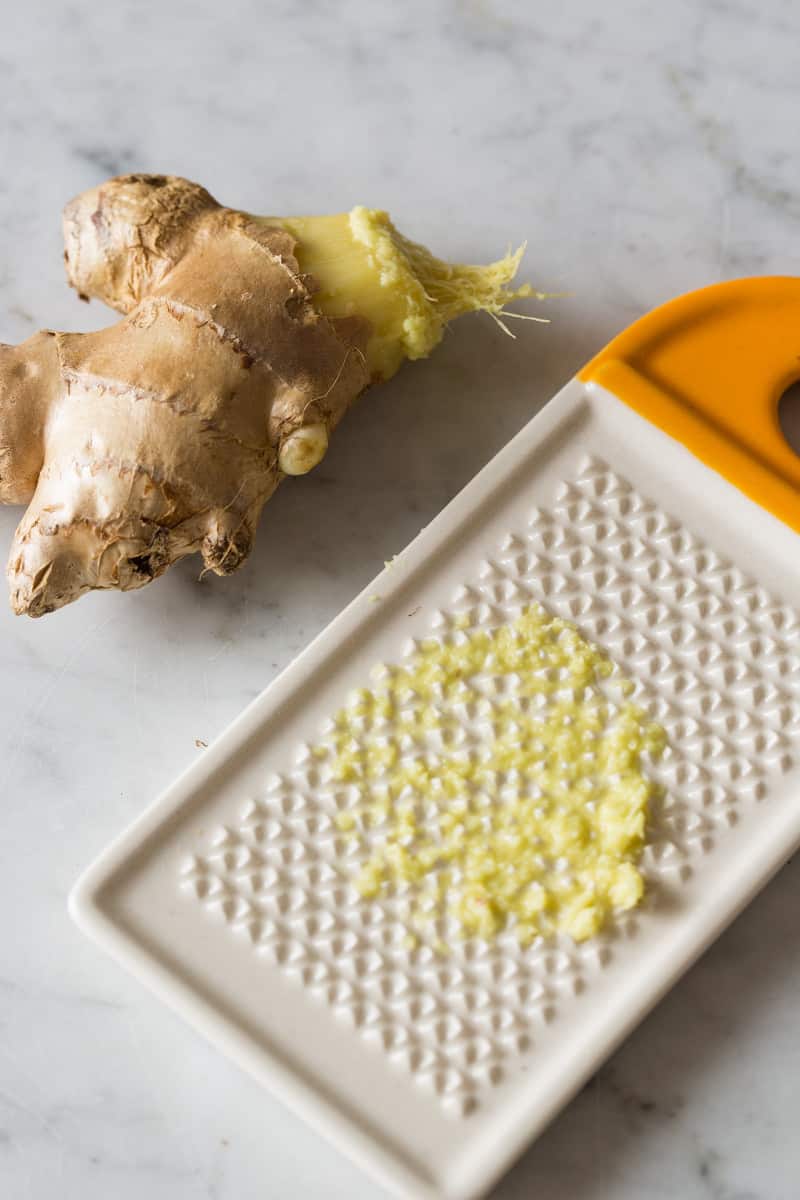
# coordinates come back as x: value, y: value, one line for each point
x: 164, y: 435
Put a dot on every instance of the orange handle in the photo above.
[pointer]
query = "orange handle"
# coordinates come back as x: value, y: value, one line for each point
x: 709, y: 369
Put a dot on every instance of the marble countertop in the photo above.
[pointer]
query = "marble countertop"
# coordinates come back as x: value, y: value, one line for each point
x: 642, y: 149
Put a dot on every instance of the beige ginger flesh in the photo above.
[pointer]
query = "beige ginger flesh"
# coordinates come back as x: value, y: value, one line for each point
x: 243, y: 342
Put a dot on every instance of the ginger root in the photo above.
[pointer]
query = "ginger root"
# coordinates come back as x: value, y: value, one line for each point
x: 243, y: 342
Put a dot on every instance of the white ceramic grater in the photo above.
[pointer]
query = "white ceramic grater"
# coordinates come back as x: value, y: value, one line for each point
x: 653, y: 504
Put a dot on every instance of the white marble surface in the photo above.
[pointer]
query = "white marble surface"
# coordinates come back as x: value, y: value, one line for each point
x: 643, y: 149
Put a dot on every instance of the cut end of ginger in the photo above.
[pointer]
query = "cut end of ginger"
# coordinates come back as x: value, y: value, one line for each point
x: 365, y: 267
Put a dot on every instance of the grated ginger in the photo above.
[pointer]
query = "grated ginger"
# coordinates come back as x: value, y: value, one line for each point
x: 497, y: 777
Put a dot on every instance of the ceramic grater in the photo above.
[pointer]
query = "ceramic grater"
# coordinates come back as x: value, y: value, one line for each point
x: 655, y: 504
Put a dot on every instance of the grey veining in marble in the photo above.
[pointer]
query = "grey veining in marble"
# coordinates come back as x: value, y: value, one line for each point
x: 643, y: 149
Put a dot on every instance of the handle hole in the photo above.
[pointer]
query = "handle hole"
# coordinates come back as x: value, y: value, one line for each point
x: 789, y: 415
